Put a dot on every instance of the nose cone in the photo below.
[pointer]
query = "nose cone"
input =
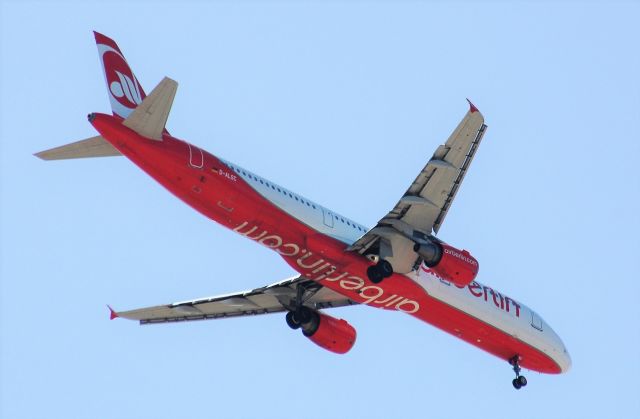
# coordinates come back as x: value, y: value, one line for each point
x: 560, y: 352
x: 564, y: 360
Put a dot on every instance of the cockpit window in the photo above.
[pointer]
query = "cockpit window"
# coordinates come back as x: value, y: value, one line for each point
x: 536, y: 321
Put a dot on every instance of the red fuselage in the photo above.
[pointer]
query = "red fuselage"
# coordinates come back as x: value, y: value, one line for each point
x: 216, y: 189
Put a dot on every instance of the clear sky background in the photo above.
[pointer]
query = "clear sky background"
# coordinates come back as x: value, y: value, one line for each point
x: 342, y: 103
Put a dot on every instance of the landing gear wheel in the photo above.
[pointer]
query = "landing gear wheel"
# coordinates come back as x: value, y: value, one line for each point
x: 380, y: 271
x: 516, y: 384
x: 303, y: 314
x: 374, y: 274
x: 292, y: 321
x: 300, y: 316
x: 522, y: 380
x: 385, y: 268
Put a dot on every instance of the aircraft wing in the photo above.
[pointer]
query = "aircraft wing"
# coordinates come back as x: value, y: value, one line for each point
x: 274, y: 298
x: 424, y: 206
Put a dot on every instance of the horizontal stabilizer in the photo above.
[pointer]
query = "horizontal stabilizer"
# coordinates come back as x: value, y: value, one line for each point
x: 91, y: 147
x: 150, y: 117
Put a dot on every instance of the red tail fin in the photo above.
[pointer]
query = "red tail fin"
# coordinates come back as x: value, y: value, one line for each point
x: 125, y: 92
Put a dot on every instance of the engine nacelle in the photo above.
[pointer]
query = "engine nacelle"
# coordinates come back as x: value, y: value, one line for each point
x: 335, y: 335
x: 457, y: 266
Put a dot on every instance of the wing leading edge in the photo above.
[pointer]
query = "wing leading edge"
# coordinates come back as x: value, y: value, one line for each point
x: 274, y: 298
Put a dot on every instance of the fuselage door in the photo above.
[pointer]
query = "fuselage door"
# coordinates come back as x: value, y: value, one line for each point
x: 327, y: 218
x: 196, y: 158
x: 536, y: 321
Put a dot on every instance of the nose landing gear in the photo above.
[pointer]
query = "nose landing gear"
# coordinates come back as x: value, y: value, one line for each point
x: 520, y: 380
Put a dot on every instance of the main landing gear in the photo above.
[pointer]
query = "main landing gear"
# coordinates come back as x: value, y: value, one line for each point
x: 520, y: 380
x: 379, y: 271
x: 300, y: 315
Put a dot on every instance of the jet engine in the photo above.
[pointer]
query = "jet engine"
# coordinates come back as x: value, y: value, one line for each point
x: 457, y: 266
x: 335, y: 335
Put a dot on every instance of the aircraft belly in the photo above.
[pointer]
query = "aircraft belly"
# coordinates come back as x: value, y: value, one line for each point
x: 490, y: 320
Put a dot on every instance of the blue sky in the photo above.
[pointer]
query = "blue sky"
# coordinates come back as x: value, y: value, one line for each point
x: 342, y: 103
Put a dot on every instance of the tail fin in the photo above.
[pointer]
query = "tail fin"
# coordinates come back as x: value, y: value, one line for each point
x: 125, y: 92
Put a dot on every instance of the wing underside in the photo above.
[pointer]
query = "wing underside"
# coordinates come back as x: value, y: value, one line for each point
x: 424, y: 206
x: 274, y: 298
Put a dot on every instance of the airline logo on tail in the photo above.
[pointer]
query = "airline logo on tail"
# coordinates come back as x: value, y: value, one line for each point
x: 125, y: 90
x: 125, y: 93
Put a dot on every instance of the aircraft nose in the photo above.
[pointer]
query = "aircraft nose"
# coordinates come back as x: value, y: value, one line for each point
x: 562, y: 354
x: 565, y: 360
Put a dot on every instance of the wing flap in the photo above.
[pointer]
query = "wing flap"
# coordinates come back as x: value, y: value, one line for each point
x: 460, y: 176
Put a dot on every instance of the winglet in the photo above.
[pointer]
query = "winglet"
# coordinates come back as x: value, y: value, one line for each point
x: 112, y: 313
x: 472, y: 107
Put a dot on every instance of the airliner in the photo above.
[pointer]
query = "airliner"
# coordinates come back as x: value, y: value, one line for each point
x: 399, y: 264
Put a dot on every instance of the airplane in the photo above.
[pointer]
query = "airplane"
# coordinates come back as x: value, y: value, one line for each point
x: 399, y: 264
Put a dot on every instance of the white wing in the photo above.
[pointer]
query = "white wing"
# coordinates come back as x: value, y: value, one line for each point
x: 424, y: 206
x: 274, y: 298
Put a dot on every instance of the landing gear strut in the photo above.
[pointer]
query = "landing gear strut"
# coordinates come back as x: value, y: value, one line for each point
x: 379, y: 271
x: 520, y: 380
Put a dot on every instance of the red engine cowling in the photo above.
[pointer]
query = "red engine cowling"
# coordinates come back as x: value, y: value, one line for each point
x: 335, y: 335
x: 457, y: 266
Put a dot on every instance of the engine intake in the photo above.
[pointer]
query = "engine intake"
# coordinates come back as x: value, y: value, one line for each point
x: 457, y: 266
x: 335, y: 335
